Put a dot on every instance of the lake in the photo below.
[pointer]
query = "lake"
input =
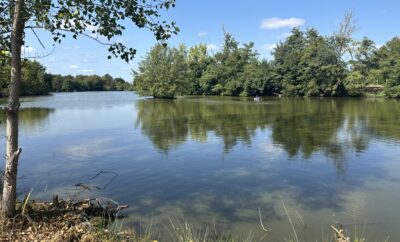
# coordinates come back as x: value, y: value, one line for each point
x: 216, y: 161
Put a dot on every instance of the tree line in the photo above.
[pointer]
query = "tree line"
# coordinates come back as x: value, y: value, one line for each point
x: 306, y: 63
x: 36, y: 81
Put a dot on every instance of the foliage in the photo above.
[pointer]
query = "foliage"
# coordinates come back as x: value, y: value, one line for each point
x: 307, y: 65
x: 304, y: 64
x: 198, y: 61
x: 83, y: 83
x: 89, y: 18
x: 163, y: 72
x: 226, y: 75
x: 361, y: 73
x: 5, y: 71
x: 233, y: 71
x: 388, y: 61
x: 35, y: 81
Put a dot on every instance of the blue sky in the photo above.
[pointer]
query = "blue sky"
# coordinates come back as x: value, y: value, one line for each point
x: 201, y: 21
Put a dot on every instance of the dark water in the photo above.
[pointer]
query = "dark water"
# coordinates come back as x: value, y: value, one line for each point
x: 218, y: 160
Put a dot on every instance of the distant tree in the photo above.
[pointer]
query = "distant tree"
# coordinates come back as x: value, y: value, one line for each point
x: 163, y: 72
x: 33, y: 79
x: 68, y: 85
x: 226, y: 73
x: 343, y: 38
x: 361, y: 73
x: 322, y: 72
x: 79, y: 18
x: 56, y: 82
x: 259, y: 79
x: 198, y: 62
x: 287, y: 57
x: 388, y: 57
x: 307, y: 65
x: 5, y: 69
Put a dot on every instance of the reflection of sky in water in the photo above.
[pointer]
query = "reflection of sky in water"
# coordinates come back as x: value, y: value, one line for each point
x: 221, y: 159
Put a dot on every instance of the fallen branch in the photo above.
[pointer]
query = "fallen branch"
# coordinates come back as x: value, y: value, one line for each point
x: 261, y: 222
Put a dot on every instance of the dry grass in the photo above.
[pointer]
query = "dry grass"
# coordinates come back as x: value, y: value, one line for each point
x: 68, y: 221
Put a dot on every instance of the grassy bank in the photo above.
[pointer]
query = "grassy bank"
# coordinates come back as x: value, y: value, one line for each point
x: 95, y: 220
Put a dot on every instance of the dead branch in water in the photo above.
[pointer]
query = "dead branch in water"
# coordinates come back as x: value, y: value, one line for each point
x: 89, y: 187
x: 261, y: 222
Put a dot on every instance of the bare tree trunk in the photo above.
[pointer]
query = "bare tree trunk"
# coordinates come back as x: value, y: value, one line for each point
x: 12, y: 150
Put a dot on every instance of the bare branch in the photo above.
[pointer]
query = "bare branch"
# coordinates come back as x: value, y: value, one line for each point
x: 37, y: 37
x: 41, y: 56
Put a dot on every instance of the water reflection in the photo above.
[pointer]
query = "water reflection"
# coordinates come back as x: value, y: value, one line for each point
x: 349, y: 134
x: 31, y: 120
x: 170, y: 123
x: 301, y: 126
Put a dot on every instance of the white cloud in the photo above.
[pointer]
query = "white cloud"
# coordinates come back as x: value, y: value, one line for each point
x: 211, y: 47
x: 269, y: 47
x: 73, y: 66
x: 202, y: 34
x: 277, y: 23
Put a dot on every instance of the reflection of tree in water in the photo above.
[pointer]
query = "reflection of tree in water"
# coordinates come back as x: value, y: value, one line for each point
x: 31, y: 119
x: 164, y: 122
x: 300, y: 126
x: 379, y: 117
x: 169, y: 123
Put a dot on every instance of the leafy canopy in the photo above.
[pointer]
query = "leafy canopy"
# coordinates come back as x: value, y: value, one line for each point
x: 100, y: 18
x: 163, y: 72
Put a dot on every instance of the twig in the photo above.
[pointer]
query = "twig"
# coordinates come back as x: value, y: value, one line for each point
x: 37, y: 37
x: 261, y: 222
x: 298, y: 215
x: 340, y: 235
x: 290, y: 220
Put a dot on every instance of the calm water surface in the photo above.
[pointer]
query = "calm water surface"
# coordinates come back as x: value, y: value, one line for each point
x: 217, y: 160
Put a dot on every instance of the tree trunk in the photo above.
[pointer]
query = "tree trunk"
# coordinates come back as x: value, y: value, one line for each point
x: 12, y: 151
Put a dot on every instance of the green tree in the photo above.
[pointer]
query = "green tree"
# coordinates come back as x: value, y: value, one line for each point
x: 33, y: 79
x: 77, y: 17
x: 361, y: 74
x: 287, y: 56
x: 307, y: 65
x: 321, y: 71
x: 198, y: 62
x: 230, y: 68
x: 163, y: 72
x: 5, y: 70
x: 389, y: 67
